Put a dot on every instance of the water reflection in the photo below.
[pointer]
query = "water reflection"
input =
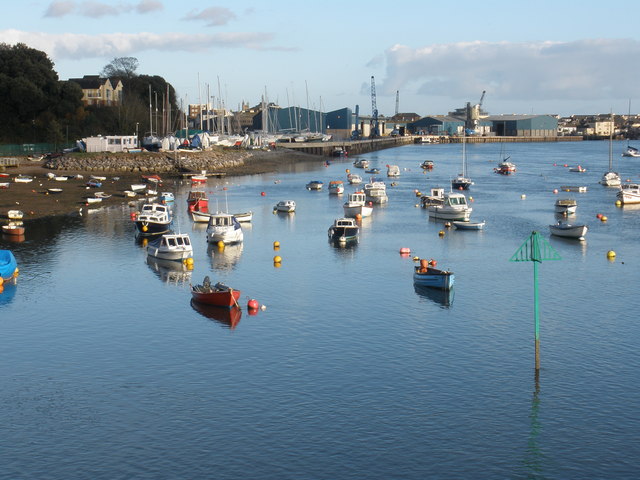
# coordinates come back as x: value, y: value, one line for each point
x: 175, y: 273
x: 572, y: 243
x: 228, y: 317
x: 533, y: 458
x: 224, y: 258
x: 436, y: 295
x: 13, y: 238
x: 7, y: 294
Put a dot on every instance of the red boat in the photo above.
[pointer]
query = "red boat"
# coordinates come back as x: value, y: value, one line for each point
x: 218, y: 294
x: 197, y: 201
x: 152, y: 178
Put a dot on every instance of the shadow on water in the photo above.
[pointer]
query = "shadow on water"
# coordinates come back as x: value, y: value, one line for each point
x: 436, y: 295
x: 227, y: 317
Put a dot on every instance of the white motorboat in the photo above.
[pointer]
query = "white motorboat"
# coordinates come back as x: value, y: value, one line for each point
x: 23, y: 179
x: 376, y: 192
x: 361, y: 163
x: 631, y: 152
x: 167, y: 197
x: 562, y: 229
x: 629, y: 193
x: 199, y: 217
x: 138, y: 187
x: 393, y: 171
x: 314, y: 185
x: 224, y: 227
x: 171, y: 246
x: 566, y: 206
x: 454, y: 207
x: 286, y: 206
x: 357, y: 205
x: 354, y: 179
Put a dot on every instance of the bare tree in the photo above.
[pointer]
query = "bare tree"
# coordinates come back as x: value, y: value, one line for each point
x: 124, y: 67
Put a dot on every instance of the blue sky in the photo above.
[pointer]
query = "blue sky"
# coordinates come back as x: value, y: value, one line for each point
x: 543, y: 57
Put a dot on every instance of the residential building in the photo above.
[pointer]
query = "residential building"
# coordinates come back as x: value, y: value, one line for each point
x: 100, y: 91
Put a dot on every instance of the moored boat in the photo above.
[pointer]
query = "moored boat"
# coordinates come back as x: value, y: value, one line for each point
x: 199, y: 217
x: 138, y: 187
x: 15, y: 214
x: 376, y: 192
x: 468, y: 225
x: 314, y: 185
x: 285, y: 206
x: 629, y: 193
x: 244, y: 217
x: 167, y: 197
x: 8, y: 266
x: 427, y: 165
x: 336, y: 187
x: 393, y: 171
x: 505, y: 168
x: 361, y: 163
x: 454, y: 207
x: 171, y: 246
x: 153, y: 219
x: 354, y: 179
x: 198, y: 201
x: 426, y: 275
x: 573, y: 188
x: 562, y: 229
x: 13, y: 229
x: 23, y: 179
x: 566, y: 206
x: 219, y: 294
x: 578, y: 168
x: 344, y: 230
x: 631, y: 152
x: 224, y: 227
x: 54, y: 191
x: 357, y: 205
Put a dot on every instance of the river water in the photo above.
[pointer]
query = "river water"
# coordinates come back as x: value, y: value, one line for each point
x: 108, y: 371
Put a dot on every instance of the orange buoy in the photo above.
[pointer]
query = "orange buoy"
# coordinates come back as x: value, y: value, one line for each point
x: 405, y: 250
x: 433, y: 263
x: 424, y: 263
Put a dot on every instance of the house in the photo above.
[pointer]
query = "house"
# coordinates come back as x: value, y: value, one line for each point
x: 111, y: 143
x: 100, y: 91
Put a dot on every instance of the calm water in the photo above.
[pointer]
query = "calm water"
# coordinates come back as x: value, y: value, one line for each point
x: 107, y: 371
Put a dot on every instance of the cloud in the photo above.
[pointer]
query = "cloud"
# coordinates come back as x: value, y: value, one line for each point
x: 514, y: 71
x: 212, y: 16
x: 59, y: 9
x: 78, y: 46
x: 96, y: 9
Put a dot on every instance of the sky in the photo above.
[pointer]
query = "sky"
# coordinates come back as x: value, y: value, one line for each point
x: 543, y: 57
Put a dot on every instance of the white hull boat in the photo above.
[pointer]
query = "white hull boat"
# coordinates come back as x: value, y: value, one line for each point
x: 468, y: 225
x: 629, y: 193
x: 357, y: 205
x: 171, y: 246
x: 566, y: 206
x: 454, y: 207
x: 376, y: 192
x: 285, y: 206
x: 200, y: 217
x: 223, y: 227
x: 568, y: 230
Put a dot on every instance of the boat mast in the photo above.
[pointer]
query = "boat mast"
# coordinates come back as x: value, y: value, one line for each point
x: 150, y: 114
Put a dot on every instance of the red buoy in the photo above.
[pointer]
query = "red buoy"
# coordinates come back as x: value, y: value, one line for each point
x: 252, y: 304
x: 263, y: 194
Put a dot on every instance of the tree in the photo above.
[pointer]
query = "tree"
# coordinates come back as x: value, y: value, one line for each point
x: 124, y: 67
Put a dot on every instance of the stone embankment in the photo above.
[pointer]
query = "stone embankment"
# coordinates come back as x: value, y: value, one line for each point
x: 151, y: 162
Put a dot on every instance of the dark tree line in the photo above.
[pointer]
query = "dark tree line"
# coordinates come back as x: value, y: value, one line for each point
x: 35, y: 106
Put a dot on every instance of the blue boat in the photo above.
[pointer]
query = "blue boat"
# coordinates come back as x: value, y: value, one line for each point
x: 8, y: 265
x: 432, y: 277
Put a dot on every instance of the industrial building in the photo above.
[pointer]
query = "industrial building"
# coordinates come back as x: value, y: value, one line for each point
x: 492, y: 125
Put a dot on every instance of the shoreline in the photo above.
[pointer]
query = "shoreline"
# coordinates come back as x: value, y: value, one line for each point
x: 34, y: 200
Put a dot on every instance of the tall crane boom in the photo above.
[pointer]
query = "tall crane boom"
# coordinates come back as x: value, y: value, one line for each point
x: 397, y: 101
x: 375, y: 132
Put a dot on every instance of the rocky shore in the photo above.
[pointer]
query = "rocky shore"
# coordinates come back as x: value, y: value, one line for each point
x: 36, y: 201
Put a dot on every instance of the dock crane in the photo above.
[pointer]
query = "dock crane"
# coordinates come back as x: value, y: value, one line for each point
x: 398, y: 101
x: 375, y: 131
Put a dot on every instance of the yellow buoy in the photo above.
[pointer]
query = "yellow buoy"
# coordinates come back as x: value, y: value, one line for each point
x: 441, y: 233
x: 415, y: 259
x: 611, y: 254
x: 603, y: 218
x: 277, y: 259
x: 276, y: 244
x: 144, y: 227
x: 220, y: 244
x: 523, y: 196
x: 618, y: 203
x: 189, y: 261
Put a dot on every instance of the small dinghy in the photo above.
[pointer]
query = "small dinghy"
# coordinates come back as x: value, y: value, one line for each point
x: 218, y: 294
x: 568, y: 230
x: 468, y: 225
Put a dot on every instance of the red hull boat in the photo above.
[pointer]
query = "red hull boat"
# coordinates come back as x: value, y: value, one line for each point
x: 197, y: 201
x: 219, y: 294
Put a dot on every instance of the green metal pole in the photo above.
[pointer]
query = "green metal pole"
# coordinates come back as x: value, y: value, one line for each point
x: 536, y: 314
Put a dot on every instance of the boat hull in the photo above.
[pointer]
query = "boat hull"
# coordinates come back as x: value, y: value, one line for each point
x: 569, y: 231
x: 468, y: 225
x: 220, y: 299
x: 8, y: 265
x: 146, y: 228
x: 13, y: 230
x: 443, y: 212
x: 352, y: 211
x: 433, y: 278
